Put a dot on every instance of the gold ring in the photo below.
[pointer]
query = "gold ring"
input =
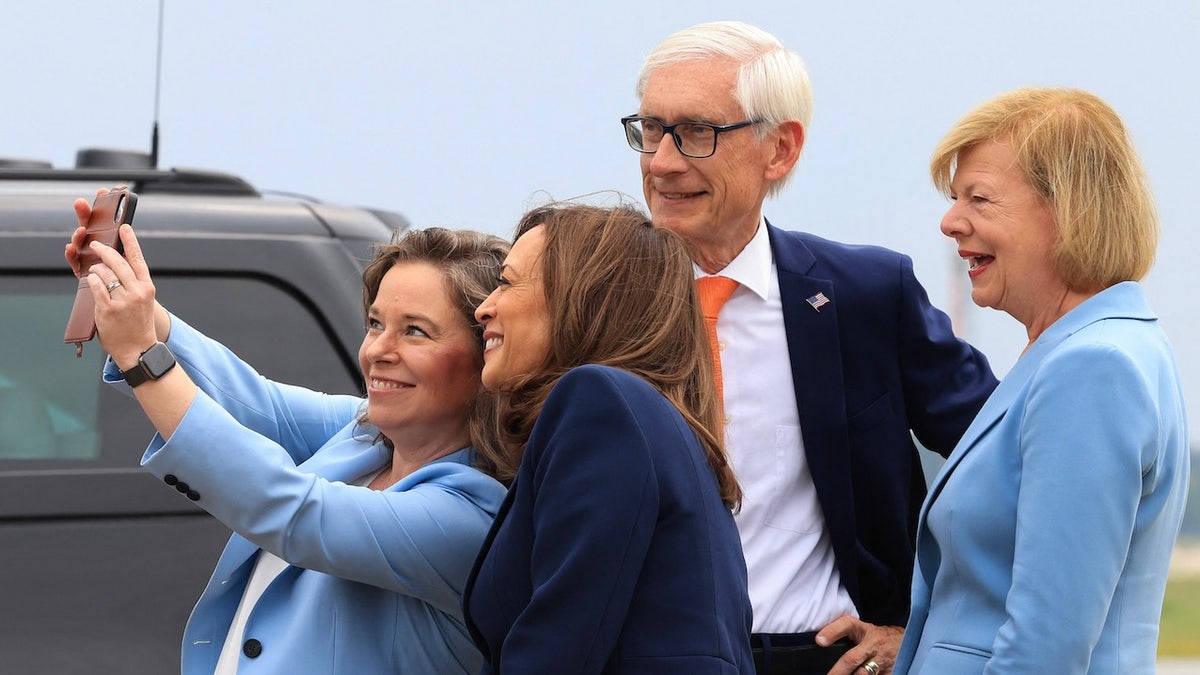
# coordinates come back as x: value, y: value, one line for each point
x: 871, y: 667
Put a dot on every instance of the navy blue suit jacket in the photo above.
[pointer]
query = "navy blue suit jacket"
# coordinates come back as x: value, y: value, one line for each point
x: 874, y: 363
x: 612, y: 552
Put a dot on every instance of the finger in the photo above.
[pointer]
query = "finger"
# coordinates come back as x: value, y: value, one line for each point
x: 106, y: 274
x: 133, y: 253
x: 74, y: 250
x: 99, y: 290
x: 115, y: 262
x: 71, y: 255
x: 83, y: 211
x: 851, y: 663
x: 842, y: 627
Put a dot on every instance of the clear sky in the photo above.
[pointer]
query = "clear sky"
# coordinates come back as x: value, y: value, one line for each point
x: 463, y: 114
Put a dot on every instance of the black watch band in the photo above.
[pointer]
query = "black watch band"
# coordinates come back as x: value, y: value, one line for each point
x: 152, y: 364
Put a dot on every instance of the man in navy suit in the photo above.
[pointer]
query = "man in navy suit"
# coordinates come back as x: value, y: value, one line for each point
x: 832, y: 356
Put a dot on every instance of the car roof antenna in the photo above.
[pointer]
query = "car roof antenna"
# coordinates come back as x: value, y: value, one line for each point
x: 157, y: 88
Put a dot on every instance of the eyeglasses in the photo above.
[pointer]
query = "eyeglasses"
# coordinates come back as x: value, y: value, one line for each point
x: 694, y: 139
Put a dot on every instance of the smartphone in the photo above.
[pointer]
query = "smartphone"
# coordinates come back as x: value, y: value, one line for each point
x: 109, y: 211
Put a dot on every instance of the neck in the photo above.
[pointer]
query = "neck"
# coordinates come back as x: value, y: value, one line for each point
x: 715, y: 248
x: 408, y: 457
x: 1068, y: 301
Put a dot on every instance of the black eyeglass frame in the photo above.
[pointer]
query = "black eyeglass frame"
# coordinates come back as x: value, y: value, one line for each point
x: 718, y: 129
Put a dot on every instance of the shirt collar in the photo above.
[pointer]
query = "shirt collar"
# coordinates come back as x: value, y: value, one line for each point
x: 752, y: 267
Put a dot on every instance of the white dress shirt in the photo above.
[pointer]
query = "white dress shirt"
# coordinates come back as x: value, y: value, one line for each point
x: 794, y: 581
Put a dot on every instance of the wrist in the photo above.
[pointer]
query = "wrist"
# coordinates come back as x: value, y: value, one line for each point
x: 126, y: 360
x: 151, y: 364
x: 126, y: 355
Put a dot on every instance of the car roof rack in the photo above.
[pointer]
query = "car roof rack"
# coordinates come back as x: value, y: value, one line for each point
x: 107, y: 165
x: 144, y: 181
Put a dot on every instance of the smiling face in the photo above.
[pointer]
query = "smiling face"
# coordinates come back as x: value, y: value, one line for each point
x: 516, y: 317
x: 1006, y: 233
x: 715, y: 202
x: 419, y: 358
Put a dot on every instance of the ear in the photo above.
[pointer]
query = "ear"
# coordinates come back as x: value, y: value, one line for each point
x: 789, y: 140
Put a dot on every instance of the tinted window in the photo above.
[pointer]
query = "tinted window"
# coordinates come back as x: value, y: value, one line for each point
x: 50, y: 401
x: 47, y: 407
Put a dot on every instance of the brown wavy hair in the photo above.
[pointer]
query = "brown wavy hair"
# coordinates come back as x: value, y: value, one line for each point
x: 620, y: 293
x: 470, y: 262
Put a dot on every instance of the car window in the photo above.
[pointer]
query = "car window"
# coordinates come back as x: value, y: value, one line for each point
x: 55, y: 413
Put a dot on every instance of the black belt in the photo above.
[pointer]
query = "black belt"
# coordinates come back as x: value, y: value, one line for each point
x: 794, y: 653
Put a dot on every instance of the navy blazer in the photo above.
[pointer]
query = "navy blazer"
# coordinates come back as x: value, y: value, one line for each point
x: 612, y: 552
x: 871, y: 368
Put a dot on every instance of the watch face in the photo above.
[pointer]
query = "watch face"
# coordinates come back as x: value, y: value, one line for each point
x: 158, y: 360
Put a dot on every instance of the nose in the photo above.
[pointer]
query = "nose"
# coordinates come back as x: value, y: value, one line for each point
x: 667, y: 158
x: 382, y: 349
x: 486, y: 309
x: 955, y: 224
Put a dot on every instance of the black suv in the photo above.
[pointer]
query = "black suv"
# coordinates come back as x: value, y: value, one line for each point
x: 100, y: 563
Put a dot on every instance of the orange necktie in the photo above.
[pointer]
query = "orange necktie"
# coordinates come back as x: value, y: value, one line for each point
x: 714, y: 291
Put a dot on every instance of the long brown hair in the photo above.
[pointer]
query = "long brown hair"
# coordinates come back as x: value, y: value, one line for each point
x: 620, y: 293
x: 470, y: 264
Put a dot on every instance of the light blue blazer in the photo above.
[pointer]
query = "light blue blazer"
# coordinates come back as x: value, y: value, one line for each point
x: 1044, y: 543
x: 375, y: 578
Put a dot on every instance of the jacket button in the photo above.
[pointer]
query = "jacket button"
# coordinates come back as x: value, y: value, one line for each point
x: 252, y: 648
x: 182, y: 486
x: 170, y: 479
x: 193, y: 495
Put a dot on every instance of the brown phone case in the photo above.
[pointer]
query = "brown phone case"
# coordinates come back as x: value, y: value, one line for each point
x: 109, y: 212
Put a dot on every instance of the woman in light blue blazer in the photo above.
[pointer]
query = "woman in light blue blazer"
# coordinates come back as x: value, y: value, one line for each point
x: 1044, y: 542
x: 356, y: 521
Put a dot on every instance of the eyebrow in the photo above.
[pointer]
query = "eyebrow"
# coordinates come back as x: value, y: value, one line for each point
x: 373, y: 310
x: 691, y: 119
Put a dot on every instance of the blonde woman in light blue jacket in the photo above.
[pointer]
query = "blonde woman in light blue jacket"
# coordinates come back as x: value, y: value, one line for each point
x: 1044, y: 543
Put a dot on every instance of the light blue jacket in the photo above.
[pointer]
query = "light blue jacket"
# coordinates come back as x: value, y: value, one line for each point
x: 1044, y: 543
x: 376, y: 577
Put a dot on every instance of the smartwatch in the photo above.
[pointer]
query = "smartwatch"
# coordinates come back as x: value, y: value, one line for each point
x: 152, y: 364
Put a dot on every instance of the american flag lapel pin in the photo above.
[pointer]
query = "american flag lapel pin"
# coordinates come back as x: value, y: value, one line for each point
x: 818, y: 301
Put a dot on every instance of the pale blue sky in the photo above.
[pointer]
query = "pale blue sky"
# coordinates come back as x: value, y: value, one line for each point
x: 463, y: 114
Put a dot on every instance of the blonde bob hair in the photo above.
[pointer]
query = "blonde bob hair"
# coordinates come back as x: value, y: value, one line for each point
x: 1075, y: 152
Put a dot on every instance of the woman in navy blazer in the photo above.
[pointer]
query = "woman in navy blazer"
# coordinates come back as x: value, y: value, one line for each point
x: 615, y: 550
x: 355, y: 521
x: 1044, y: 542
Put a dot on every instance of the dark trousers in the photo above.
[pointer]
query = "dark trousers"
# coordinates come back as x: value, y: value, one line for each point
x: 794, y: 654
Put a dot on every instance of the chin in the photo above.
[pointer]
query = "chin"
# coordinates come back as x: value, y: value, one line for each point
x: 681, y: 225
x: 490, y: 383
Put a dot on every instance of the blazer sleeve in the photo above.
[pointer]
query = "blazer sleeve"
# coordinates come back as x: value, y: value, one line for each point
x: 946, y: 380
x: 299, y: 419
x: 417, y: 538
x: 596, y: 508
x: 1088, y: 440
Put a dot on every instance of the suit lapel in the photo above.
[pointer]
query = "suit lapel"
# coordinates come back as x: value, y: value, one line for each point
x: 815, y: 355
x: 1124, y: 300
x: 469, y: 587
x: 345, y: 462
